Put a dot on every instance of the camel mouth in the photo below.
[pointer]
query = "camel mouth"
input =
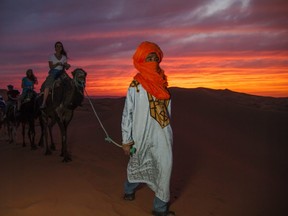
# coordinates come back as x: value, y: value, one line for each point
x: 79, y: 75
x: 82, y: 78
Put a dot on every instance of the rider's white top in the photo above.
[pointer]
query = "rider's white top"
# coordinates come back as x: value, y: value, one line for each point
x: 54, y: 60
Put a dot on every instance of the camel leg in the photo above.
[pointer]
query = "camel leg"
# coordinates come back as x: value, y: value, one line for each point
x: 14, y: 133
x: 31, y: 134
x: 9, y: 131
x: 63, y: 125
x: 64, y: 151
x: 23, y: 135
x: 48, y: 151
x: 52, y: 143
x: 45, y: 133
x: 66, y: 156
x: 66, y: 123
x: 40, y: 143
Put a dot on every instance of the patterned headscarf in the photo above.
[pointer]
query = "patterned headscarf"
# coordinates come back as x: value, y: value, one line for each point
x: 151, y: 77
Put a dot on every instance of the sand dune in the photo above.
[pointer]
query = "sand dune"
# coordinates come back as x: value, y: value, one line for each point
x: 230, y: 159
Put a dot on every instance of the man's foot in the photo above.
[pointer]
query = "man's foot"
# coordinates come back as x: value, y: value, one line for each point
x: 166, y: 213
x: 129, y: 197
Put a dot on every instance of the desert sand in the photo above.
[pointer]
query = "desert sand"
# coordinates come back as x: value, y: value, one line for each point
x: 230, y: 159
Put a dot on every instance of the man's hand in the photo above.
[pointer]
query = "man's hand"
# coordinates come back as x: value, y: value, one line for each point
x: 126, y: 147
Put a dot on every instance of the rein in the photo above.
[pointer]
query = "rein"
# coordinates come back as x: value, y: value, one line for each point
x: 108, y: 138
x: 79, y: 84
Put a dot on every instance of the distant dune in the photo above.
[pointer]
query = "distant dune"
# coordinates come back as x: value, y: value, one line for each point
x: 230, y: 159
x: 253, y: 101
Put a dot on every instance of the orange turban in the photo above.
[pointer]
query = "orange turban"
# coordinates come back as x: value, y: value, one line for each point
x: 150, y: 75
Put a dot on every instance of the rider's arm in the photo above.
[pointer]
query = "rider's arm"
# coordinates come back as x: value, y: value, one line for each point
x: 52, y: 65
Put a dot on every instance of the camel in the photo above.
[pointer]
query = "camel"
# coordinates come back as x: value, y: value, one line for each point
x: 28, y: 114
x: 2, y: 117
x: 2, y: 113
x: 66, y: 95
x: 12, y: 122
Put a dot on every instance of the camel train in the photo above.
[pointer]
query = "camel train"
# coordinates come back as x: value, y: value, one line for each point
x: 65, y: 96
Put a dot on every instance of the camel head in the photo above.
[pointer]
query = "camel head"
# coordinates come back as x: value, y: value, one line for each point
x: 79, y: 77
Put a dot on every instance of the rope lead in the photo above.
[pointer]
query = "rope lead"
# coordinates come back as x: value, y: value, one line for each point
x: 108, y: 139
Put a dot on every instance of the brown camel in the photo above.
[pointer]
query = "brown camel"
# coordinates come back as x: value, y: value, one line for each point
x: 12, y: 122
x: 66, y: 95
x: 28, y: 114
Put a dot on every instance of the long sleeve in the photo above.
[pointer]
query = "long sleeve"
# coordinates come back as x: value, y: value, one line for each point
x: 127, y: 117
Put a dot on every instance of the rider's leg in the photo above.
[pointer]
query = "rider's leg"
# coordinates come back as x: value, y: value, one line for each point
x: 46, y: 93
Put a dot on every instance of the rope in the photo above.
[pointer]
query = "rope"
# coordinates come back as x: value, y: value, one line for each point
x: 107, y: 136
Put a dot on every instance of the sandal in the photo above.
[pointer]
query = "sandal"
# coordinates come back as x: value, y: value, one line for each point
x: 129, y: 197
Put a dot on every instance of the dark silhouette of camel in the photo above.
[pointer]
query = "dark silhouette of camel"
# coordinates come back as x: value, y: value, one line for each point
x: 2, y: 114
x: 28, y: 113
x: 66, y: 95
x: 12, y: 122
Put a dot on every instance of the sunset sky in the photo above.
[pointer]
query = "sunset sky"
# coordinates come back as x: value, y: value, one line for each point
x: 241, y: 45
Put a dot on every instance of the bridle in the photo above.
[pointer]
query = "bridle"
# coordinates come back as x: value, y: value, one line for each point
x: 79, y: 81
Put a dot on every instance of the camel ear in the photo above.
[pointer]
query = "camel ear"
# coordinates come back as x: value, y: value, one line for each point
x: 73, y: 72
x: 84, y: 72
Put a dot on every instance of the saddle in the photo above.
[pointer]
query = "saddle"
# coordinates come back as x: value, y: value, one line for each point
x: 60, y: 80
x: 29, y: 96
x: 66, y: 91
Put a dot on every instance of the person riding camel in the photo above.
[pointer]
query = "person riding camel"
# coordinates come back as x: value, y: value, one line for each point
x: 57, y: 64
x: 27, y: 85
x: 12, y: 95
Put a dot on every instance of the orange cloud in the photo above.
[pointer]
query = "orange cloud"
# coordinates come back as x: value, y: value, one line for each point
x: 262, y: 74
x: 238, y: 73
x: 243, y: 73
